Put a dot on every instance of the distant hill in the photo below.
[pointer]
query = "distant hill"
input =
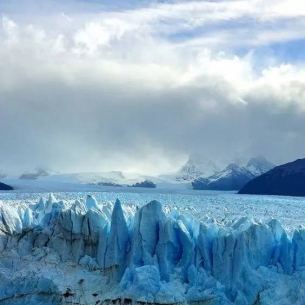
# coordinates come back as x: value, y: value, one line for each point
x: 287, y: 179
x: 5, y: 187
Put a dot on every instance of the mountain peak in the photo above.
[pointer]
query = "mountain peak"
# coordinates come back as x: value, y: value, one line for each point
x: 259, y: 165
x: 197, y: 166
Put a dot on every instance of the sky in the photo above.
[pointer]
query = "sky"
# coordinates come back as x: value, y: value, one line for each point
x: 140, y: 85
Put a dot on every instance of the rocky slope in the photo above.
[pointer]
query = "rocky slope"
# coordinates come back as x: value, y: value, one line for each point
x: 88, y: 253
x: 287, y: 179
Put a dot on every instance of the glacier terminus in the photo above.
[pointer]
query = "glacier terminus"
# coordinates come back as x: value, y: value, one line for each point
x: 89, y: 252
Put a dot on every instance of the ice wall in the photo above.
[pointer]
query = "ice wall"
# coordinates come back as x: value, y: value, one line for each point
x: 53, y: 252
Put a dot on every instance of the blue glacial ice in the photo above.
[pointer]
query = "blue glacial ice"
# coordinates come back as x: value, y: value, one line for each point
x: 85, y: 252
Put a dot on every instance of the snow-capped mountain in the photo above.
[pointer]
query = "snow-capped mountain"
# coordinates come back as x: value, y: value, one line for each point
x: 37, y: 173
x: 287, y: 179
x: 259, y: 165
x: 234, y: 176
x: 196, y: 166
x: 85, y: 252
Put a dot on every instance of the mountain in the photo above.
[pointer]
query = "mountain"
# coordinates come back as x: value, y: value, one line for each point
x: 37, y: 173
x: 5, y: 187
x: 234, y: 176
x: 287, y: 179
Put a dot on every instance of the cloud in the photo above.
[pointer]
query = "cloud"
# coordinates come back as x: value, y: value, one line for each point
x: 115, y: 90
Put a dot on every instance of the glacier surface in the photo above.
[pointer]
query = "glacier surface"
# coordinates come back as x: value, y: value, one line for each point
x: 89, y: 252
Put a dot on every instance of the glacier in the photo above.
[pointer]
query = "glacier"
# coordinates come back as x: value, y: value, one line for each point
x: 89, y: 252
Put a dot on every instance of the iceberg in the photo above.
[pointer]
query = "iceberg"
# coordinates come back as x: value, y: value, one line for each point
x: 86, y: 252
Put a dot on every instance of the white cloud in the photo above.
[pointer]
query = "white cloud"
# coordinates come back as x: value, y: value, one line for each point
x: 106, y: 90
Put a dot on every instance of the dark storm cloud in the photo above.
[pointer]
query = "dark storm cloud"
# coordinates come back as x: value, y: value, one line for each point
x: 55, y: 125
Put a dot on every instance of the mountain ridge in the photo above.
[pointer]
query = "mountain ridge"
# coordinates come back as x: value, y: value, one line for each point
x: 198, y: 173
x: 234, y: 176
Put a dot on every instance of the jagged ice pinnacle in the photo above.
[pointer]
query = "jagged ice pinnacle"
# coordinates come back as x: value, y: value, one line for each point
x: 57, y: 252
